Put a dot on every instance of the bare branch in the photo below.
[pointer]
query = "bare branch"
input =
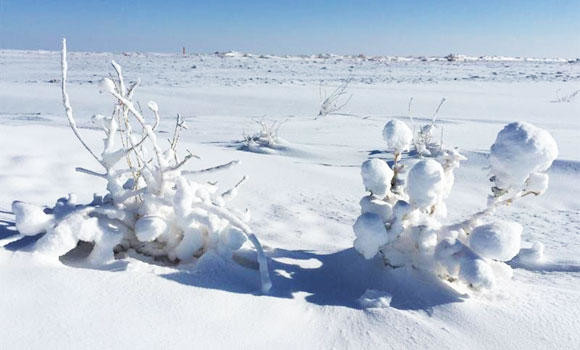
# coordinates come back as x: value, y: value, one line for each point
x: 131, y: 89
x: 212, y: 169
x: 180, y: 164
x: 437, y: 110
x: 335, y: 101
x: 90, y: 172
x: 120, y: 77
x: 67, y: 106
x: 232, y: 191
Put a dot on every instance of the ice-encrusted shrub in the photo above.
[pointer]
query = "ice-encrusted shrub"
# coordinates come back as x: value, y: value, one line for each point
x: 151, y: 205
x: 266, y: 139
x: 406, y: 224
x: 424, y: 140
x: 335, y: 102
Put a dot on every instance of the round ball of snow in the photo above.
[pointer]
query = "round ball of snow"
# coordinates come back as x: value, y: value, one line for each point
x: 233, y: 238
x: 498, y: 240
x: 401, y: 209
x: 445, y: 254
x: 477, y: 273
x: 376, y: 176
x: 370, y: 233
x: 520, y: 149
x: 31, y: 219
x: 191, y: 243
x: 397, y: 135
x: 148, y: 228
x: 107, y: 85
x: 533, y: 255
x: 370, y: 204
x: 425, y: 183
x: 537, y: 183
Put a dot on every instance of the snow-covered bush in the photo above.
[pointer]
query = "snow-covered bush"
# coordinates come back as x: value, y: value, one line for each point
x: 151, y: 206
x: 423, y: 141
x: 566, y: 98
x: 266, y: 139
x: 335, y: 102
x: 405, y: 224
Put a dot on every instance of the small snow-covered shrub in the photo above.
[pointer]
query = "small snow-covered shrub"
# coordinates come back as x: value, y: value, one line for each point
x: 335, y: 102
x: 566, y: 98
x: 423, y: 141
x: 151, y: 206
x: 266, y: 139
x: 405, y: 223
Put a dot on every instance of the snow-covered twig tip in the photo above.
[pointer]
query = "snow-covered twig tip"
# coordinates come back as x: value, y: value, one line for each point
x: 66, y: 102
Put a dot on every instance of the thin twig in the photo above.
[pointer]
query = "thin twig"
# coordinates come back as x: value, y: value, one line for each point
x: 90, y: 172
x: 67, y: 106
x: 212, y: 169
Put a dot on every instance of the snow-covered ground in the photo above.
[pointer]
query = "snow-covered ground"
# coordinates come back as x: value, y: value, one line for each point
x: 303, y: 200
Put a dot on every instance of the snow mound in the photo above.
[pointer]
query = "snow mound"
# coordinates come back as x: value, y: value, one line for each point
x: 425, y: 183
x: 370, y: 204
x: 537, y: 183
x: 373, y: 298
x: 371, y: 234
x: 376, y: 176
x: 397, y: 135
x: 520, y: 150
x: 30, y: 219
x: 499, y: 240
x: 533, y: 255
x: 459, y: 261
x: 477, y: 273
x: 266, y: 140
x: 150, y: 227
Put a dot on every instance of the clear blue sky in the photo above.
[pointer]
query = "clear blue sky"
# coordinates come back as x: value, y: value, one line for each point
x: 516, y: 28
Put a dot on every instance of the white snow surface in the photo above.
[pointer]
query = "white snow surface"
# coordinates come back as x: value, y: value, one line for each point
x: 303, y: 204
